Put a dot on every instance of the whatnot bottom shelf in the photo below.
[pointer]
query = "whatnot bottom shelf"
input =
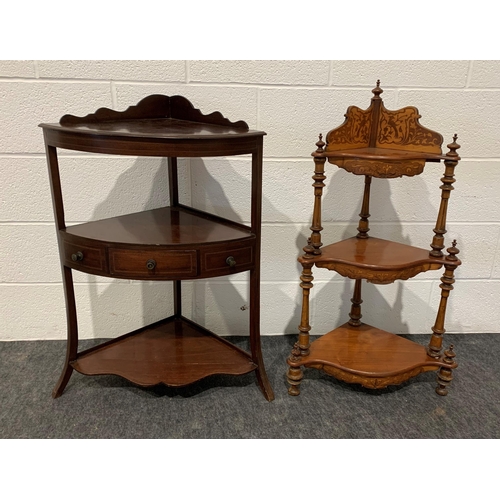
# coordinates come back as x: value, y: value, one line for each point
x: 368, y: 356
x: 174, y: 352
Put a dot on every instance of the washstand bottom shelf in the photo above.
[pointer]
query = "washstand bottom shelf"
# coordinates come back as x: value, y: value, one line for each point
x: 174, y: 351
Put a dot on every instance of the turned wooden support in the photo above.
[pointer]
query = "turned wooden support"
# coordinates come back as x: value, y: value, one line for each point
x: 363, y: 227
x: 446, y: 188
x: 375, y: 106
x: 306, y: 279
x: 314, y: 242
x: 355, y: 313
x: 301, y: 348
x: 447, y: 280
x: 445, y: 374
x: 294, y: 374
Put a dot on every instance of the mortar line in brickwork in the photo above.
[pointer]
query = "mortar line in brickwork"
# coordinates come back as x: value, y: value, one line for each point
x: 258, y: 111
x: 469, y: 74
x: 339, y: 280
x: 345, y: 222
x: 497, y: 256
x: 27, y: 223
x: 80, y: 283
x: 308, y: 158
x: 243, y: 158
x: 317, y: 281
x: 114, y: 99
x: 41, y: 80
x: 212, y: 281
x: 22, y: 155
x: 38, y: 223
x: 342, y: 223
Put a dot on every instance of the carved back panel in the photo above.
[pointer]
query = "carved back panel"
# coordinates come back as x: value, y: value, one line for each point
x: 378, y: 127
x: 401, y: 130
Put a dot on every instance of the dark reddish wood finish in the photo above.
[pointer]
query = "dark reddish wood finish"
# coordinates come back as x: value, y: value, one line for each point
x: 183, y: 353
x: 170, y: 243
x: 376, y: 142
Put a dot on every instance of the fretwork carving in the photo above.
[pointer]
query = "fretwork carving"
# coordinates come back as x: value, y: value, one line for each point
x: 380, y: 128
x: 354, y: 132
x: 374, y: 276
x: 401, y: 130
x: 382, y: 169
x: 369, y: 382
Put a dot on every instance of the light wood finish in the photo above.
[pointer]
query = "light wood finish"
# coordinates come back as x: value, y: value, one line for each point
x: 369, y: 356
x: 169, y: 243
x: 375, y: 259
x: 376, y: 142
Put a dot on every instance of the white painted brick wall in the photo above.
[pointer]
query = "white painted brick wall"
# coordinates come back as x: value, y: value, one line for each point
x: 293, y: 101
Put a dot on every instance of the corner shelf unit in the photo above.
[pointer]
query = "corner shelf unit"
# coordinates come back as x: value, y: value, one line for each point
x: 376, y: 142
x: 172, y: 243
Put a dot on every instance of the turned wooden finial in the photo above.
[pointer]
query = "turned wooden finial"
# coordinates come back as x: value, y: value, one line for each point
x: 453, y: 147
x: 320, y: 144
x: 445, y: 375
x: 449, y: 354
x: 377, y: 91
x: 452, y: 251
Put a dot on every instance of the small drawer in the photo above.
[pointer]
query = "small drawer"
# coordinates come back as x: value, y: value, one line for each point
x: 152, y: 264
x: 228, y: 260
x: 84, y: 257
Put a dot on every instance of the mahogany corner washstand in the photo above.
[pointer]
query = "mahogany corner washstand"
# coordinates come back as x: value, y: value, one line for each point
x: 376, y: 142
x: 173, y: 243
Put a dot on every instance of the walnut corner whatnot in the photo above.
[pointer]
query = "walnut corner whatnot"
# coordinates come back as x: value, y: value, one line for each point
x: 172, y: 243
x: 380, y: 143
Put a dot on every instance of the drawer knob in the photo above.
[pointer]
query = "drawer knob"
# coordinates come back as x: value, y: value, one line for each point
x: 151, y: 264
x: 76, y: 257
x: 230, y: 261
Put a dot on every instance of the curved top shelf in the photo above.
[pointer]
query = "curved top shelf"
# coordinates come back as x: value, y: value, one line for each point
x: 159, y: 128
x: 383, y: 143
x: 156, y: 118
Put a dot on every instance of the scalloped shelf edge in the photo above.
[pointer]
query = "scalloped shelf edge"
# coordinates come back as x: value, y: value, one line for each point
x: 154, y: 107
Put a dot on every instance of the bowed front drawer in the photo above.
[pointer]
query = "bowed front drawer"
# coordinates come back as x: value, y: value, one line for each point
x: 153, y: 264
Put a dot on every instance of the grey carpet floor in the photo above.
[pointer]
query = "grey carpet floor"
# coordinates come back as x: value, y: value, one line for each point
x: 233, y: 407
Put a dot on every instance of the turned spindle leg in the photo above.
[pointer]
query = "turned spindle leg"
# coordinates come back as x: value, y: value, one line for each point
x: 294, y: 374
x: 355, y: 313
x: 300, y: 348
x: 311, y: 250
x: 447, y: 280
x: 445, y: 374
x: 363, y: 226
x: 446, y: 188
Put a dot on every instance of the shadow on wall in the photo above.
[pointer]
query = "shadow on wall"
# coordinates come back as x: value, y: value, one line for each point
x: 121, y: 306
x: 221, y: 304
